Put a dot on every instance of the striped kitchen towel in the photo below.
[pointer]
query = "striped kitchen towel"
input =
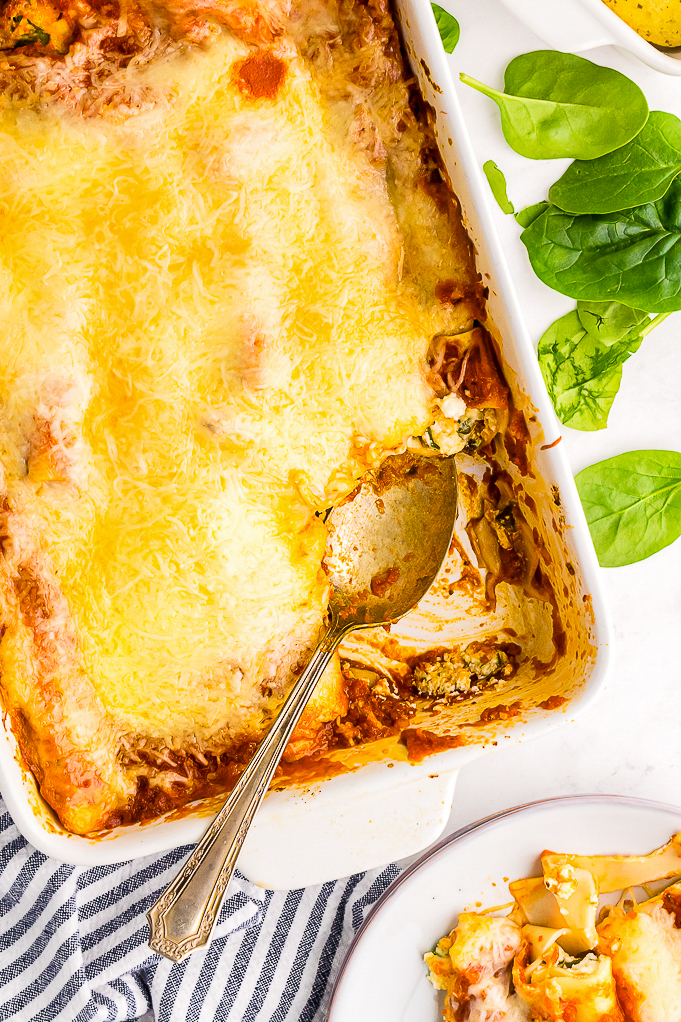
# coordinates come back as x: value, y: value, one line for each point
x: 73, y: 943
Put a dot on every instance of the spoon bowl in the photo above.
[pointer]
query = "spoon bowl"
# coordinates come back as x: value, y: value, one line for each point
x: 387, y: 540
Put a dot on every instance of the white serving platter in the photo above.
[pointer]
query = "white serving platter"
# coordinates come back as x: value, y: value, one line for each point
x: 383, y: 977
x: 385, y: 810
x: 579, y: 25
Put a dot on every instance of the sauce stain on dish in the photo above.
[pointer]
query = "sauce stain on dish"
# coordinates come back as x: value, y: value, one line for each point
x: 380, y: 584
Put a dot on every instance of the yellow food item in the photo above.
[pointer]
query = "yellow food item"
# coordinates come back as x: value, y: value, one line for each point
x: 658, y: 21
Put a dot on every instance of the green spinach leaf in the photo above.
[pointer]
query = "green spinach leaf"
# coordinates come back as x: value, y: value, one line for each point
x: 609, y: 322
x: 526, y: 215
x: 632, y: 504
x: 41, y: 35
x: 21, y: 35
x: 632, y: 257
x: 641, y: 171
x: 582, y: 374
x: 497, y: 182
x: 448, y: 26
x: 557, y: 105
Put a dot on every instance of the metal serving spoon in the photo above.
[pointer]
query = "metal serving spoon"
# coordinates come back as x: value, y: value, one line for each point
x: 386, y: 544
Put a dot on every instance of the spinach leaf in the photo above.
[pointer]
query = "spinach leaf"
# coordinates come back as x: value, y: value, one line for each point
x: 633, y: 256
x: 582, y: 374
x: 641, y: 171
x: 21, y: 35
x: 497, y: 183
x: 448, y: 26
x: 526, y: 215
x: 609, y: 321
x: 632, y: 504
x: 557, y: 105
x: 42, y: 36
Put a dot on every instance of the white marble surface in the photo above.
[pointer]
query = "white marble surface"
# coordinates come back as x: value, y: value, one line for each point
x: 630, y: 741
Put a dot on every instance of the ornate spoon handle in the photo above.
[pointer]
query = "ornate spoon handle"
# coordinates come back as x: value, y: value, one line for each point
x: 182, y: 918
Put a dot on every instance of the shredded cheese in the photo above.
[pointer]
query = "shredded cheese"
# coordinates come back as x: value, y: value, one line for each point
x: 209, y: 299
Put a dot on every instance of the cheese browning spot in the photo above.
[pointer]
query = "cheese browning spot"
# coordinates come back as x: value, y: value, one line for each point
x: 260, y: 75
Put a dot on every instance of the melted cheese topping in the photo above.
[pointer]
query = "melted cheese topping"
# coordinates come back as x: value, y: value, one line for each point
x: 205, y: 338
x: 473, y: 966
x: 645, y: 947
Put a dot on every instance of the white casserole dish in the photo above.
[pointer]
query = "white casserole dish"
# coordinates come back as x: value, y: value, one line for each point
x: 579, y: 25
x: 389, y: 809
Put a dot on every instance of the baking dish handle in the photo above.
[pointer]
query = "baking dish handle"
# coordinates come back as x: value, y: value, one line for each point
x: 336, y: 830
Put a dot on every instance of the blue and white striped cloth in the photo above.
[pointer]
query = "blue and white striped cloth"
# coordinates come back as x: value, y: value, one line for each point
x: 73, y: 943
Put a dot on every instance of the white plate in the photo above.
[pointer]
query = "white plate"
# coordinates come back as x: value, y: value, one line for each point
x: 383, y: 977
x: 579, y: 25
